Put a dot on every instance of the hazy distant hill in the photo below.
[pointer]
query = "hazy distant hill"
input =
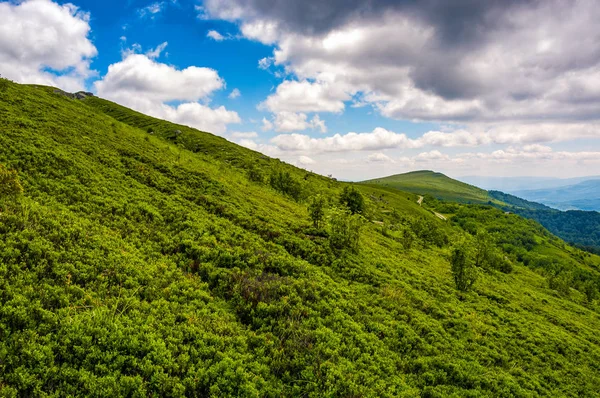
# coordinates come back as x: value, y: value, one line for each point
x: 582, y: 196
x: 515, y: 184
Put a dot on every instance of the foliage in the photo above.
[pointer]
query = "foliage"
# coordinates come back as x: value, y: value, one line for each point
x: 316, y: 210
x: 283, y: 182
x: 141, y: 264
x: 352, y: 199
x: 438, y: 185
x: 344, y: 230
x: 464, y: 270
x: 574, y: 226
x: 255, y: 175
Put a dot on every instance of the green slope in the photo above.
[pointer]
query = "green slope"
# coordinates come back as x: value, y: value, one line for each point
x: 438, y: 185
x: 145, y: 258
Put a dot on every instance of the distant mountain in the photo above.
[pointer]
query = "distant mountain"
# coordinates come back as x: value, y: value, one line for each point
x: 582, y: 196
x: 581, y: 228
x: 515, y: 201
x: 515, y: 184
x: 438, y: 185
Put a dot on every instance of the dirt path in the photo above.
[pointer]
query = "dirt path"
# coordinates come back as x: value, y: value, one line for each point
x: 440, y: 216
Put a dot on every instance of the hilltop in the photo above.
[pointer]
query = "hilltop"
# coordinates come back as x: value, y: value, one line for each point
x: 143, y: 258
x: 579, y: 228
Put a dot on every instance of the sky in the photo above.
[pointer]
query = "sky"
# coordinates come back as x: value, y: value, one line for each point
x: 355, y: 89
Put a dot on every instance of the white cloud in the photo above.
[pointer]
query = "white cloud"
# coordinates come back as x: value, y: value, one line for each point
x: 33, y: 34
x: 266, y: 125
x: 504, y: 79
x: 240, y: 134
x: 235, y: 93
x: 216, y: 36
x: 247, y: 143
x: 318, y: 124
x: 202, y: 117
x: 291, y: 121
x: 155, y: 53
x: 264, y: 32
x: 304, y: 96
x: 147, y: 86
x: 431, y: 155
x: 379, y: 157
x: 152, y: 10
x: 137, y: 78
x: 265, y: 63
x: 376, y: 140
x: 306, y: 161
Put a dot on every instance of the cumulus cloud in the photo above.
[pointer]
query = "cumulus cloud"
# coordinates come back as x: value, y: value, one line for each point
x: 240, y: 134
x: 459, y: 61
x: 303, y: 96
x: 378, y: 139
x: 291, y: 121
x: 139, y: 78
x: 148, y: 86
x: 33, y: 34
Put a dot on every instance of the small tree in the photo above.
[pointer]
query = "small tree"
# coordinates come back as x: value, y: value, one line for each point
x: 353, y: 200
x: 283, y: 182
x: 344, y: 231
x: 463, y: 268
x: 316, y: 210
x: 255, y: 175
x: 590, y: 290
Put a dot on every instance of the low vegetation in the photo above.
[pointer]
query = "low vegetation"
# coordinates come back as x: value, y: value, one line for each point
x: 143, y: 258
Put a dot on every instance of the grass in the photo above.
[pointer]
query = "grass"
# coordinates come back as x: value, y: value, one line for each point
x: 438, y: 185
x: 141, y: 261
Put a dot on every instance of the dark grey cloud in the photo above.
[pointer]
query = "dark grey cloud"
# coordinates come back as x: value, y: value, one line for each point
x: 456, y: 21
x: 443, y: 60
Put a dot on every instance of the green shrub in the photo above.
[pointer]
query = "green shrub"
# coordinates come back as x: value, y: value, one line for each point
x: 283, y: 182
x: 464, y: 271
x: 316, y: 210
x: 353, y: 200
x: 344, y: 231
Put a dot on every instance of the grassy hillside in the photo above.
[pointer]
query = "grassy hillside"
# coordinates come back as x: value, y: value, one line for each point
x: 143, y: 258
x: 438, y: 185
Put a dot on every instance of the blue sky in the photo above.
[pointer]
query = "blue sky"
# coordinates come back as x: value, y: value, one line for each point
x: 354, y: 89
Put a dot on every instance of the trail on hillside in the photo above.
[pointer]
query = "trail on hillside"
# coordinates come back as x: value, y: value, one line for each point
x: 438, y: 215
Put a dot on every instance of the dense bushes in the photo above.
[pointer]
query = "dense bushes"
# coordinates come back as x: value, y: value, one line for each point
x: 352, y: 199
x: 344, y: 230
x: 133, y: 266
x: 283, y: 182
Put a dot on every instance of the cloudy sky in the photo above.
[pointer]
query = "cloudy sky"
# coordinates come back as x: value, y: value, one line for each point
x: 353, y: 88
